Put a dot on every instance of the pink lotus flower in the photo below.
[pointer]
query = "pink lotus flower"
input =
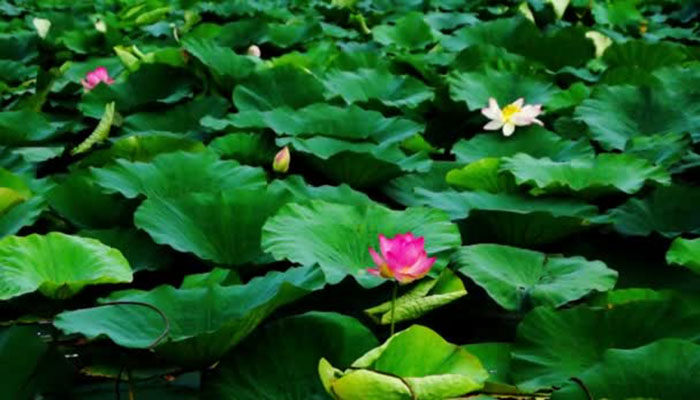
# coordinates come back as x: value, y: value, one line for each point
x: 512, y: 115
x: 403, y: 258
x: 93, y: 78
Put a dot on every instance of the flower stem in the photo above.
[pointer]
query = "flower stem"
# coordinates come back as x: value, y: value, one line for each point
x: 393, y: 306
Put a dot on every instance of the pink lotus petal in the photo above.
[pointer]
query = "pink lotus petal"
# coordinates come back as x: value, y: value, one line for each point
x: 519, y: 103
x: 378, y: 260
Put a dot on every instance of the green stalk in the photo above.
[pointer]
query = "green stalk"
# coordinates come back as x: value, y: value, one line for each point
x: 393, y: 306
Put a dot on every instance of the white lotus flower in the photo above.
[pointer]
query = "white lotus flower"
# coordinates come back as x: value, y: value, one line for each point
x: 512, y: 115
x: 42, y: 26
x: 100, y: 26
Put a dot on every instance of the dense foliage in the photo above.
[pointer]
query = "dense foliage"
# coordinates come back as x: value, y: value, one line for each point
x: 189, y: 191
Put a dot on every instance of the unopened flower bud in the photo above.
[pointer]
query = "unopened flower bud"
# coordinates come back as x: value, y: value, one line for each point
x: 281, y: 162
x: 42, y: 26
x: 254, y: 51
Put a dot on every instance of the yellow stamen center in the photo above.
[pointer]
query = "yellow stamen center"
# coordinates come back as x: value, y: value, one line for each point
x: 510, y: 110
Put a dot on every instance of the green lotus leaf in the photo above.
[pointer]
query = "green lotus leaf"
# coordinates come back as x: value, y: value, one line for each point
x: 178, y: 173
x: 359, y: 164
x: 85, y: 204
x: 302, y: 191
x: 552, y: 346
x: 665, y: 369
x: 495, y: 357
x: 291, y: 33
x: 670, y: 211
x: 571, y: 97
x: 535, y: 141
x: 483, y: 175
x: 25, y: 126
x: 215, y: 277
x: 281, y: 360
x: 181, y: 119
x: 518, y: 279
x: 616, y: 114
x: 246, y: 148
x: 151, y: 84
x: 283, y: 86
x: 590, y: 177
x: 685, y: 252
x: 13, y: 190
x: 353, y: 123
x: 409, y: 32
x: 402, y: 189
x: 425, y: 296
x: 337, y: 236
x: 57, y: 265
x: 499, y: 32
x: 486, y: 56
x: 646, y: 56
x: 136, y: 247
x: 510, y: 218
x: 142, y: 148
x: 223, y: 227
x: 665, y: 150
x: 226, y: 66
x: 366, y: 84
x: 413, y: 364
x: 475, y: 88
x: 204, y: 322
x: 617, y: 13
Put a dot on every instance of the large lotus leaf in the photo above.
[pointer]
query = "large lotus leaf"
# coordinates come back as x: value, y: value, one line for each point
x: 301, y: 191
x: 142, y: 148
x: 617, y: 13
x: 151, y: 84
x: 227, y: 66
x: 25, y: 126
x: 181, y: 119
x: 223, y: 226
x: 351, y: 122
x: 616, y: 114
x: 136, y: 247
x: 367, y: 84
x: 283, y: 86
x: 359, y: 164
x: 174, y: 174
x: 246, y: 148
x: 82, y: 202
x: 57, y: 265
x: 290, y: 33
x: 665, y: 150
x: 413, y: 364
x: 607, y: 173
x: 669, y: 211
x: 644, y: 55
x: 281, y: 361
x: 518, y: 279
x: 495, y: 357
x: 475, y: 88
x: 337, y: 237
x: 668, y: 369
x: 204, y: 322
x: 425, y: 296
x: 402, y: 189
x: 685, y: 252
x: 409, y: 32
x: 553, y: 346
x: 483, y: 175
x: 510, y: 218
x: 535, y: 141
x: 13, y: 190
x: 498, y: 32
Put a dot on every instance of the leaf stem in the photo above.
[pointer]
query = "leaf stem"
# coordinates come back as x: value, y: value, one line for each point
x: 393, y: 307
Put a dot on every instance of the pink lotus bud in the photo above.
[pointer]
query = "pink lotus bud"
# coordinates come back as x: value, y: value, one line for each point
x: 254, y: 51
x: 403, y: 258
x: 93, y: 78
x: 281, y: 162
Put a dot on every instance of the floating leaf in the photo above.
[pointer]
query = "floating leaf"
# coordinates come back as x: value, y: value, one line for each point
x: 517, y: 278
x: 204, y: 322
x: 366, y: 84
x: 685, y: 252
x: 57, y: 265
x: 590, y: 177
x: 283, y: 86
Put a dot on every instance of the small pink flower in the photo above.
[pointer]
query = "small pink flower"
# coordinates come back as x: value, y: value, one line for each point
x: 281, y: 162
x: 93, y: 78
x: 512, y: 115
x: 403, y: 258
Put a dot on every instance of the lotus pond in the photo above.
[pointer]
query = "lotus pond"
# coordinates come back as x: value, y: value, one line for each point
x: 349, y: 199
